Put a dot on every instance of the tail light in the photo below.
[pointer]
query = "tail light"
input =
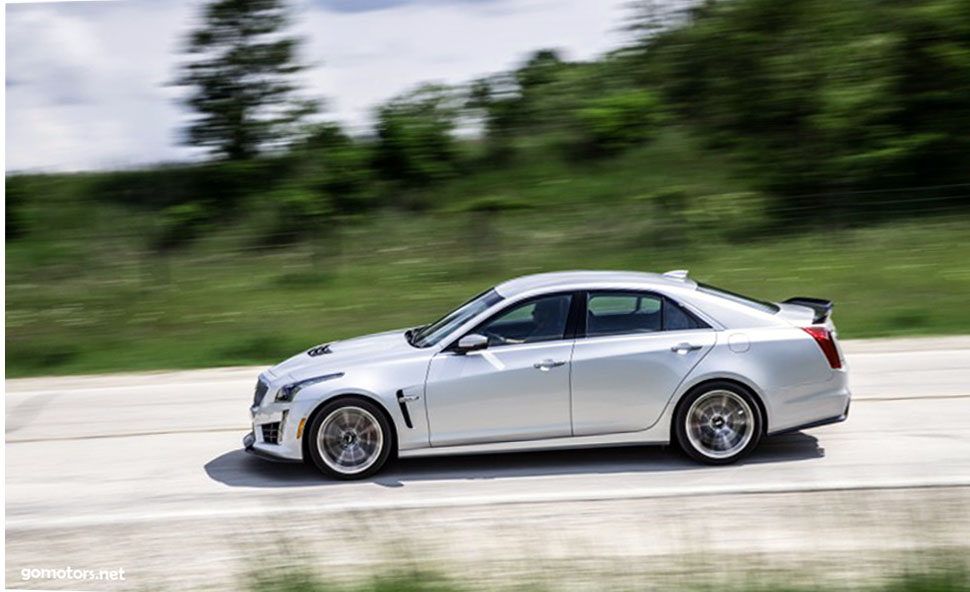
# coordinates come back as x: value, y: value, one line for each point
x: 823, y: 337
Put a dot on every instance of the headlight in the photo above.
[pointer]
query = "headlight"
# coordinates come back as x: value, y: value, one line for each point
x: 289, y: 391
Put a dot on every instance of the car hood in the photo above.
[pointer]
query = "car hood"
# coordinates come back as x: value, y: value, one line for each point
x: 340, y: 355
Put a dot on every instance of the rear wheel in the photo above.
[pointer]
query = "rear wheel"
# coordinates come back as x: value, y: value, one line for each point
x: 718, y: 423
x: 350, y: 439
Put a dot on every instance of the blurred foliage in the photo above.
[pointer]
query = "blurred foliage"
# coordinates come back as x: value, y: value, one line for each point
x: 728, y: 215
x: 230, y: 297
x: 241, y: 74
x: 927, y: 579
x: 824, y: 95
x: 296, y: 212
x: 415, y: 141
x: 819, y: 106
x: 225, y: 184
x: 181, y: 223
x: 15, y: 195
x: 493, y: 204
x: 618, y: 121
x: 333, y: 164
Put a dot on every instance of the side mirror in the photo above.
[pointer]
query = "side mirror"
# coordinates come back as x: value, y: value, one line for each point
x: 471, y: 342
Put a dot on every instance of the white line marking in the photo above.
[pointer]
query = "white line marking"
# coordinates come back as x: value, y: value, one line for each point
x: 241, y: 429
x: 166, y: 385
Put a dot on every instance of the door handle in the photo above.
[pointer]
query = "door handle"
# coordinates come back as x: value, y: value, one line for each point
x: 683, y: 348
x: 545, y: 365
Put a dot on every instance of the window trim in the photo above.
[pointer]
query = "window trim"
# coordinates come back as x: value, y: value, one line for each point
x: 703, y: 325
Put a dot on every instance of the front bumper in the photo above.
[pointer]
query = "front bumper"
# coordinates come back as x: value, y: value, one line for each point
x: 250, y: 445
x: 275, y: 426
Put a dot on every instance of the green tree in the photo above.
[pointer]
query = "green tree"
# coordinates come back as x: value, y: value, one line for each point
x: 617, y: 121
x: 825, y: 96
x: 338, y: 166
x: 241, y: 71
x: 415, y: 136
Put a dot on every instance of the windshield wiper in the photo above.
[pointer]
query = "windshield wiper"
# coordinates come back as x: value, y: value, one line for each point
x: 412, y: 335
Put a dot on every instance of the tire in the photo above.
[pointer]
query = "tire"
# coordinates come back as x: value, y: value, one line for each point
x: 350, y: 439
x: 718, y: 423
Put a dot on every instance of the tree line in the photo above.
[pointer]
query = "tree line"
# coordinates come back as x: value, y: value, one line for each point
x: 820, y: 103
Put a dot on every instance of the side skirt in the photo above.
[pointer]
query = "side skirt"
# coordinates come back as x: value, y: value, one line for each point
x: 631, y: 439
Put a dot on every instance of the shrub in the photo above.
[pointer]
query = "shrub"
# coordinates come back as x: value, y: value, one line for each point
x: 727, y: 215
x: 180, y: 224
x: 618, y: 121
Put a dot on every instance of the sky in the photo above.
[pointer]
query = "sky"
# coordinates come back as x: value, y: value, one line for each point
x: 88, y: 84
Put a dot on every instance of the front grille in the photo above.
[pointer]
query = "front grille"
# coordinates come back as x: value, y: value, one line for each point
x: 271, y: 432
x: 261, y: 388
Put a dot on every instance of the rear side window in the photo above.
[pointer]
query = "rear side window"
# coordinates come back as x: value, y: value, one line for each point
x: 624, y: 313
x: 678, y: 319
x: 739, y: 298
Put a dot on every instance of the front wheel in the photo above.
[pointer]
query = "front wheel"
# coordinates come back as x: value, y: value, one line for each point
x: 718, y: 423
x: 350, y: 439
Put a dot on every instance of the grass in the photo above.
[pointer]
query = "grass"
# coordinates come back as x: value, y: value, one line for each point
x: 945, y: 579
x: 221, y: 303
x: 85, y: 293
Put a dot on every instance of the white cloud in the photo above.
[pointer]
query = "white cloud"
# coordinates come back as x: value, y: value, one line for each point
x: 86, y: 82
x: 369, y: 57
x: 85, y: 85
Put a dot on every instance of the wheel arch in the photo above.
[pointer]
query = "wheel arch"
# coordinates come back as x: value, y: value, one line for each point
x: 349, y: 396
x: 741, y: 384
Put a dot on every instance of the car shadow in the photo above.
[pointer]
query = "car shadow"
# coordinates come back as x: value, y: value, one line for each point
x: 239, y: 469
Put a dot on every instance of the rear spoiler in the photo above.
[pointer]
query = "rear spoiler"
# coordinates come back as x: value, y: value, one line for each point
x: 822, y: 308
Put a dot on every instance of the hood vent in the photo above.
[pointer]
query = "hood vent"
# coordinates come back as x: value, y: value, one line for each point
x: 319, y: 350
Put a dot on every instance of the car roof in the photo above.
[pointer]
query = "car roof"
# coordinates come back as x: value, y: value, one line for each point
x: 579, y: 280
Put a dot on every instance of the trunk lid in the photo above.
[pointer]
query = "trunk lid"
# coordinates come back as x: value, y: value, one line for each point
x: 820, y: 308
x: 811, y: 314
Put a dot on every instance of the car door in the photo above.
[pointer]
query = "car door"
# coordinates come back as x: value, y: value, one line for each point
x: 638, y: 347
x: 515, y: 389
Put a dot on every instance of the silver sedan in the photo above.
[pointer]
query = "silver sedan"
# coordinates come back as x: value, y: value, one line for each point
x: 560, y: 360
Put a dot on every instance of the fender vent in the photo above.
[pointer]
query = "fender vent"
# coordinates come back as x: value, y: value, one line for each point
x: 404, y: 409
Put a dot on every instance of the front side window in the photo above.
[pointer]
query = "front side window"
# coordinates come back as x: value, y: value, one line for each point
x: 540, y: 319
x: 624, y: 313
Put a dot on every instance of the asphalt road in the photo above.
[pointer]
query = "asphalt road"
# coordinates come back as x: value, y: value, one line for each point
x: 145, y: 472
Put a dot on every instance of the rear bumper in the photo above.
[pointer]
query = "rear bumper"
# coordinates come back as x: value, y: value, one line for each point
x: 817, y: 423
x: 252, y: 447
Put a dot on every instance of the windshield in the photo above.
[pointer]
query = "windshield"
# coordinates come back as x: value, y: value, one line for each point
x: 733, y: 297
x: 431, y: 334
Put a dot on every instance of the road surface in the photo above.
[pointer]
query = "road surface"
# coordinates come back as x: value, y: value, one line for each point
x: 144, y: 472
